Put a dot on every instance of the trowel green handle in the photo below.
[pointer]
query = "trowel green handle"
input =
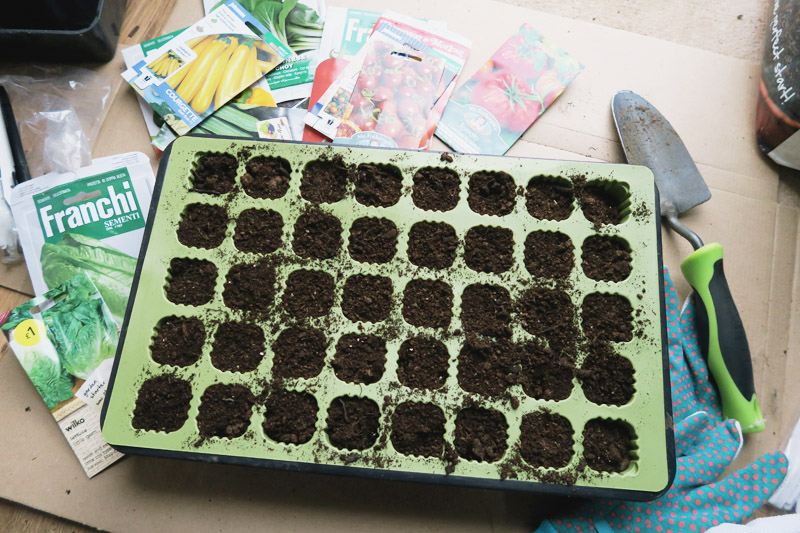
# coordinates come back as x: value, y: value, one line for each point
x: 722, y: 337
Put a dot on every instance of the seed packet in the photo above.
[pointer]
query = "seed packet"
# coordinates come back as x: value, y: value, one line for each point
x: 65, y: 341
x: 509, y: 92
x: 203, y: 67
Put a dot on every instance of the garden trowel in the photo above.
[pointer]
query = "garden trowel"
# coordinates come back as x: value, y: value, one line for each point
x: 649, y: 140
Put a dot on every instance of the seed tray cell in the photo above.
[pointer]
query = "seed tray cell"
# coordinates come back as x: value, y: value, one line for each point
x: 469, y: 320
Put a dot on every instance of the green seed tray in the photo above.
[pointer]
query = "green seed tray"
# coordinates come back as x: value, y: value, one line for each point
x: 647, y: 415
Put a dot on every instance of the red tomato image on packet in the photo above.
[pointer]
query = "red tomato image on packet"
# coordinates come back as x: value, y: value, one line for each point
x: 507, y: 94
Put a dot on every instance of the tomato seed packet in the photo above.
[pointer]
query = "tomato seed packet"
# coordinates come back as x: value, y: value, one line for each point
x: 509, y: 92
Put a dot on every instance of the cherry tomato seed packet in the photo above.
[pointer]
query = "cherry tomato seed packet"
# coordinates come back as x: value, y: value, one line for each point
x: 489, y: 112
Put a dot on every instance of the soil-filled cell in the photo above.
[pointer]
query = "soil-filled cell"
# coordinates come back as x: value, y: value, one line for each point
x: 162, y: 404
x: 225, y: 411
x: 191, y: 281
x: 317, y: 235
x: 378, y: 185
x: 606, y: 258
x: 599, y: 205
x: 373, y: 240
x: 481, y: 434
x: 267, y: 177
x: 309, y: 293
x: 549, y: 199
x: 237, y: 347
x: 359, y: 358
x: 607, y: 317
x: 546, y: 374
x: 546, y: 440
x: 486, y: 310
x: 178, y: 341
x: 422, y: 363
x: 250, y: 287
x: 202, y: 226
x: 487, y: 367
x: 489, y: 249
x: 435, y: 189
x: 367, y: 298
x: 418, y: 429
x: 428, y: 303
x: 299, y: 353
x: 258, y: 231
x: 352, y: 422
x: 324, y: 181
x: 290, y: 416
x: 549, y: 254
x: 215, y: 173
x: 549, y: 314
x: 432, y: 245
x: 491, y: 193
x: 606, y: 377
x: 607, y: 445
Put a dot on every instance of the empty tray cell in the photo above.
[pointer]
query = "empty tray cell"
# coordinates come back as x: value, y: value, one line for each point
x: 608, y: 445
x: 324, y: 181
x: 607, y: 317
x: 237, y: 347
x: 481, y: 434
x: 367, y: 298
x: 360, y: 358
x: 267, y: 177
x: 549, y: 314
x: 299, y: 352
x: 489, y: 249
x: 214, y: 173
x: 546, y: 375
x: 432, y: 244
x: 487, y: 367
x: 428, y: 303
x: 546, y: 440
x: 549, y: 198
x: 604, y: 201
x: 606, y: 258
x: 225, y: 411
x: 486, y: 310
x: 352, y: 422
x: 290, y: 416
x: 317, y: 235
x: 190, y: 281
x: 373, y: 240
x: 178, y: 341
x: 549, y: 254
x: 308, y: 293
x: 258, y: 231
x: 491, y: 193
x: 422, y: 363
x: 436, y: 189
x: 418, y: 429
x: 162, y: 404
x: 606, y: 377
x: 203, y: 226
x: 378, y: 185
x: 250, y: 287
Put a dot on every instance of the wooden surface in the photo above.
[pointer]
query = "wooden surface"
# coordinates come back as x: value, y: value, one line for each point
x: 734, y: 29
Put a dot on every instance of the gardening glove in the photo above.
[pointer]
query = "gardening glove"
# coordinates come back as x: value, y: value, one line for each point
x: 705, y: 445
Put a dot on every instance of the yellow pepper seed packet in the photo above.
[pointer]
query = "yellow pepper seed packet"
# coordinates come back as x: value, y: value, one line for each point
x: 201, y: 68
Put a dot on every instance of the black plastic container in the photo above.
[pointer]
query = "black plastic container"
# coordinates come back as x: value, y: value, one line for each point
x: 62, y: 30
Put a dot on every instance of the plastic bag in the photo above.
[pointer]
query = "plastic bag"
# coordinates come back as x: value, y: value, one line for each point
x: 59, y: 111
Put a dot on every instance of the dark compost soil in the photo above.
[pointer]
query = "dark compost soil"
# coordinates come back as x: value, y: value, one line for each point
x: 491, y: 193
x: 267, y: 177
x: 546, y: 440
x: 598, y: 205
x: 428, y: 303
x: 215, y: 173
x: 250, y: 287
x: 162, y: 404
x: 605, y: 258
x: 352, y: 422
x: 489, y: 249
x: 299, y: 353
x: 178, y: 341
x: 545, y: 375
x: 225, y: 411
x: 324, y: 180
x: 373, y: 240
x: 290, y: 416
x: 549, y: 314
x: 359, y: 358
x: 607, y: 317
x: 422, y: 363
x: 486, y: 310
x: 549, y: 254
x: 237, y: 347
x: 487, y: 367
x: 258, y: 231
x: 432, y: 244
x: 418, y: 429
x: 309, y: 293
x: 367, y: 298
x: 607, y: 445
x: 202, y: 226
x: 547, y: 200
x: 378, y: 185
x: 606, y: 377
x: 436, y: 189
x: 481, y: 434
x: 191, y: 281
x: 317, y: 235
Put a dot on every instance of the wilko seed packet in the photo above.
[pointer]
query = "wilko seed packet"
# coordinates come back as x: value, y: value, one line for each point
x: 509, y: 92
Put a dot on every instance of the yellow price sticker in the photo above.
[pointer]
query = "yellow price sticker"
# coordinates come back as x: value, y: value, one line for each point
x: 29, y: 332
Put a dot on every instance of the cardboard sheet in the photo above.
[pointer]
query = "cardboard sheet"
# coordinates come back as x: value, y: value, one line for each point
x: 709, y: 98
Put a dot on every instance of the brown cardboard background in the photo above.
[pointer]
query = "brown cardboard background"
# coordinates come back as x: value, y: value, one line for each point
x: 708, y: 97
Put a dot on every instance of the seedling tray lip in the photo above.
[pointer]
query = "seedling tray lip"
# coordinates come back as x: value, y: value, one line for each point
x: 383, y: 473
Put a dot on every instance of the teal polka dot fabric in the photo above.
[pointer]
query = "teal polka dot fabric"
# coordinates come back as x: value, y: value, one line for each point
x: 705, y: 444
